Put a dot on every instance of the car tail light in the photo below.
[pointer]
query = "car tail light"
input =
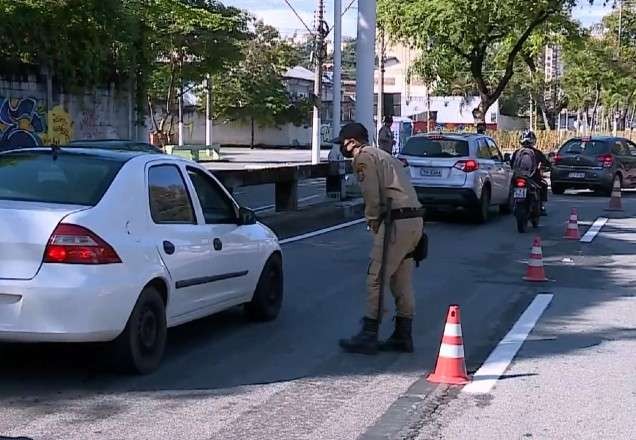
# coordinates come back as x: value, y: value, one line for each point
x: 520, y: 182
x: 557, y: 159
x: 467, y: 166
x: 606, y: 160
x: 404, y: 161
x: 72, y: 244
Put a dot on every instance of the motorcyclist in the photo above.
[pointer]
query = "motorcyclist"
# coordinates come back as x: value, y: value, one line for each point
x: 528, y: 142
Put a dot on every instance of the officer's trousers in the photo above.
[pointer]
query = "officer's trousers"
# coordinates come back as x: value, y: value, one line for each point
x: 404, y: 236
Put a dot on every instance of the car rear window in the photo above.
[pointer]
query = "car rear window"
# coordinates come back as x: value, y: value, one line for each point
x: 70, y: 179
x: 434, y: 147
x: 586, y: 148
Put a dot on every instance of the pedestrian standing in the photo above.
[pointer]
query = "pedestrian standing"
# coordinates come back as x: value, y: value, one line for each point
x: 383, y: 177
x: 385, y: 136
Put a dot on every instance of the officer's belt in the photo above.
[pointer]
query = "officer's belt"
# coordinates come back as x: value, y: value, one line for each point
x: 404, y: 213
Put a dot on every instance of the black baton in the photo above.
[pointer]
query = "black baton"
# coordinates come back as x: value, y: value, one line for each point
x: 388, y: 224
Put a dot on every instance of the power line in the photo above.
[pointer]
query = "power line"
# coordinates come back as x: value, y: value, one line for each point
x: 298, y: 16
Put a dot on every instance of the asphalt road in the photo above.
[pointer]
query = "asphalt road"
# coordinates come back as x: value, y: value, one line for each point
x: 225, y: 378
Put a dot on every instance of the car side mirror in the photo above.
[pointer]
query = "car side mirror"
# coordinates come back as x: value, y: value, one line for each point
x: 246, y: 217
x: 507, y: 157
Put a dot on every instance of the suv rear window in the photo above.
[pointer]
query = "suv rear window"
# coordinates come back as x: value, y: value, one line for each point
x: 71, y: 179
x: 434, y: 147
x: 586, y: 148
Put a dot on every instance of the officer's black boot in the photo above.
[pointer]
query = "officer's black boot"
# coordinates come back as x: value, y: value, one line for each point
x: 365, y: 342
x: 401, y: 339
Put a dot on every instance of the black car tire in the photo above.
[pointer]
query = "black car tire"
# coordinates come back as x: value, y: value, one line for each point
x: 140, y: 347
x: 268, y: 296
x: 482, y: 212
x: 558, y: 189
x: 507, y: 207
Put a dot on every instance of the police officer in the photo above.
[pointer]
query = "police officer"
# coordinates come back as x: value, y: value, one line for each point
x: 381, y: 177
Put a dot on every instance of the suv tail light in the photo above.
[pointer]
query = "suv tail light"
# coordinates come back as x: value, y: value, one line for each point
x: 606, y: 160
x: 520, y: 182
x: 72, y: 244
x: 467, y: 166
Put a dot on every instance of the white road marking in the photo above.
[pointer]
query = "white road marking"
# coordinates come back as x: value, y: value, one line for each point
x: 486, y: 377
x: 322, y: 231
x: 594, y: 230
x: 268, y: 207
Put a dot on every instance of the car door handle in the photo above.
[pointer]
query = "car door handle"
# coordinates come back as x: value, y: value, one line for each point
x: 218, y: 244
x: 168, y: 247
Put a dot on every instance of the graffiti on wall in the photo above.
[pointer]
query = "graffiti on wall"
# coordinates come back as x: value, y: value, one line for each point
x: 60, y: 127
x: 22, y: 122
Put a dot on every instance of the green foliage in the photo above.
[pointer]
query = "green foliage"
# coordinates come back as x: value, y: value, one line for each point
x: 253, y: 90
x: 481, y: 38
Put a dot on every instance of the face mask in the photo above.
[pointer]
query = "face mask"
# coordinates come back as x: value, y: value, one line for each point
x: 345, y: 152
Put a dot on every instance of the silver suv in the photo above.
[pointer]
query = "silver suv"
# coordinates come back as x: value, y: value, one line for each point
x: 459, y: 170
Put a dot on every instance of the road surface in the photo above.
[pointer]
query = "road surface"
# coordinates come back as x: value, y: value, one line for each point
x: 225, y: 378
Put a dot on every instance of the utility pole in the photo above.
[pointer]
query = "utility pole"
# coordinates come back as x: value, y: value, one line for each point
x: 337, y: 67
x: 381, y: 57
x: 365, y: 65
x: 321, y: 32
x: 208, y: 110
x: 180, y: 105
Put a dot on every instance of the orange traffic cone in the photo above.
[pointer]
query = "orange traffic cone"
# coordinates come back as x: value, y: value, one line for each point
x: 572, y: 231
x: 451, y: 367
x: 616, y: 201
x: 535, y: 263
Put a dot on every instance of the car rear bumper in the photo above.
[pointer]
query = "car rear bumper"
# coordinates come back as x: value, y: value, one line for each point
x: 66, y: 303
x: 593, y: 178
x: 454, y: 197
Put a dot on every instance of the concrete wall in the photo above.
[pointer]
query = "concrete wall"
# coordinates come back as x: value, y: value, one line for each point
x: 33, y: 114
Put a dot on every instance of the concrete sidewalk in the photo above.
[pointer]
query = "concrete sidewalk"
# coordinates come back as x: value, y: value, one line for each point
x: 574, y: 377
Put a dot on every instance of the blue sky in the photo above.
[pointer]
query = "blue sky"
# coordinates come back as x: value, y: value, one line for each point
x: 277, y: 13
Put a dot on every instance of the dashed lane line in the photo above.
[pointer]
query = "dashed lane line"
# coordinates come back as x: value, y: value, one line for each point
x: 594, y: 230
x: 486, y: 377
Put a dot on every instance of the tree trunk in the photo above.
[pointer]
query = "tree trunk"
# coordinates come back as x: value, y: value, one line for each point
x: 479, y: 112
x: 595, y: 109
x: 252, y: 133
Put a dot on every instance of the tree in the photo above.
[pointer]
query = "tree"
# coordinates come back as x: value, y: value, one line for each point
x: 475, y: 35
x: 186, y: 40
x: 253, y: 90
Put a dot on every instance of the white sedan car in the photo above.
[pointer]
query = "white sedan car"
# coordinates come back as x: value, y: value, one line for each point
x: 98, y: 245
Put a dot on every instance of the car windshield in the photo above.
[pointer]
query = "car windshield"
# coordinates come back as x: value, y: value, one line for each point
x: 435, y: 147
x: 69, y: 179
x: 586, y: 148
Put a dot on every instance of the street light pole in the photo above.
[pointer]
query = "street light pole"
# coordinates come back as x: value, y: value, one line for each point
x: 365, y: 56
x: 337, y: 67
x: 320, y: 44
x: 208, y: 110
x: 381, y: 57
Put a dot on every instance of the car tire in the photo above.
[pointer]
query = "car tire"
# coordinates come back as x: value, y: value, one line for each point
x: 140, y: 347
x: 558, y: 189
x: 268, y: 296
x: 507, y: 207
x: 482, y: 212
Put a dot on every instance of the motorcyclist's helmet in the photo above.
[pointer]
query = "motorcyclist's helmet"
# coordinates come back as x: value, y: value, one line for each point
x: 528, y: 139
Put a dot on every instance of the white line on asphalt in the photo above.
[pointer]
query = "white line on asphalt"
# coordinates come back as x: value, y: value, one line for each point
x: 322, y: 231
x: 594, y: 230
x: 486, y: 377
x: 268, y: 207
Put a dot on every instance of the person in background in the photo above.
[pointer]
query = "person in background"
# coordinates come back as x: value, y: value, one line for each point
x: 385, y: 137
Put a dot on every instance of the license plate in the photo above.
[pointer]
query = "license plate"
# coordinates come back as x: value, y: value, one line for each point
x: 520, y: 193
x: 577, y: 175
x: 430, y: 172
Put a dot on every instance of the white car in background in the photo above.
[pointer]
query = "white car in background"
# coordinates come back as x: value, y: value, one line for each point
x: 98, y: 245
x: 454, y: 170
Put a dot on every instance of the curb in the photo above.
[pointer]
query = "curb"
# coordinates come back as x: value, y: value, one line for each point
x: 311, y: 218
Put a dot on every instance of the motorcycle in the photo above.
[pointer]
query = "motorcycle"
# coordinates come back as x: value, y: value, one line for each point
x: 527, y: 203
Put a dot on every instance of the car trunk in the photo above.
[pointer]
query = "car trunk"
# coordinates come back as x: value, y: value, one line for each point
x: 583, y: 154
x: 25, y: 229
x: 435, y: 172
